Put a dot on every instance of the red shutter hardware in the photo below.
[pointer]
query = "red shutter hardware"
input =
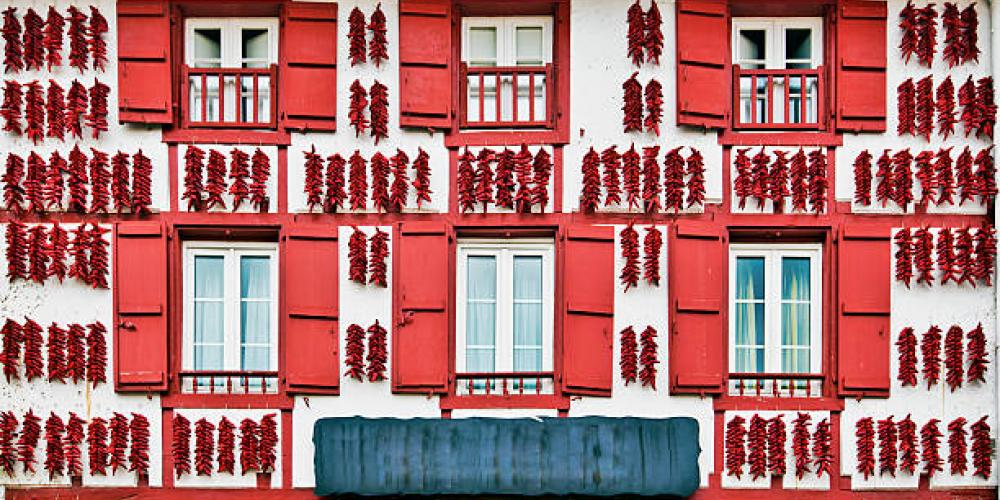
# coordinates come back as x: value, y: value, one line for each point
x: 887, y: 438
x: 118, y: 430
x: 31, y: 431
x: 8, y: 431
x: 425, y: 80
x: 696, y: 178
x: 420, y: 329
x: 651, y: 189
x: 119, y: 182
x: 78, y: 52
x: 376, y: 352
x: 954, y: 357
x: 957, y: 447
x: 673, y: 181
x: 800, y: 444
x: 611, y: 161
x: 982, y: 448
x: 138, y: 456
x: 629, y: 358
x: 776, y: 436
x: 863, y: 278
x: 259, y: 174
x: 98, y: 47
x: 632, y: 104
x: 309, y: 69
x: 239, y: 170
x: 76, y: 108
x: 204, y: 447
x: 52, y: 40
x: 311, y: 310
x: 71, y: 445
x: 378, y: 47
x: 140, y: 338
x: 861, y: 66
x: 822, y: 449
x: 249, y: 446
x: 703, y: 94
x: 654, y: 106
x: 56, y: 353
x: 399, y: 190
x: 736, y: 453
x: 54, y: 460
x: 100, y: 177
x: 757, y: 447
x: 31, y: 334
x: 144, y: 68
x: 930, y: 351
x: 541, y: 173
x: 215, y: 180
x: 977, y: 354
x: 97, y: 450
x: 34, y: 52
x: 268, y: 442
x: 865, y: 434
x: 636, y: 33
x: 630, y: 253
x: 181, y: 445
x: 13, y: 100
x: 227, y: 446
x: 379, y: 111
x: 356, y: 37
x: 422, y: 177
x: 588, y: 291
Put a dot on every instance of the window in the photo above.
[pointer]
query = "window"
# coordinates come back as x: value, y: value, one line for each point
x: 219, y: 52
x: 497, y: 52
x: 778, y: 61
x: 230, y: 315
x: 775, y: 309
x: 505, y: 310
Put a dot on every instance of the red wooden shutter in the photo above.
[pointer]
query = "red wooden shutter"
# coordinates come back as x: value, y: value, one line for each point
x: 308, y: 78
x: 420, y: 284
x: 698, y: 268
x: 311, y: 286
x: 425, y: 82
x: 703, y: 97
x: 140, y: 285
x: 589, y: 301
x: 863, y: 277
x: 861, y: 68
x: 144, y: 78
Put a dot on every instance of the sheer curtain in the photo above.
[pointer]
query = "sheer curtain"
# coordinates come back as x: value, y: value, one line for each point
x: 795, y: 328
x: 255, y: 313
x: 209, y: 313
x: 527, y: 314
x: 749, y: 335
x: 481, y: 314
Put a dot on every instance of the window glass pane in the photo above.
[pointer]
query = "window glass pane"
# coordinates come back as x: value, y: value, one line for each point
x: 527, y: 278
x: 255, y: 277
x: 752, y: 47
x: 527, y: 313
x: 208, y: 322
x: 483, y: 45
x: 795, y: 361
x: 798, y: 43
x: 529, y: 45
x: 750, y: 324
x: 750, y: 278
x: 207, y: 47
x: 749, y: 360
x: 209, y: 312
x: 480, y: 326
x: 795, y: 325
x: 208, y: 277
x: 795, y: 278
x: 255, y: 358
x: 208, y: 357
x: 255, y: 47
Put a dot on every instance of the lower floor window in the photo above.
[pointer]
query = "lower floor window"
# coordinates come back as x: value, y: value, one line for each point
x: 230, y: 314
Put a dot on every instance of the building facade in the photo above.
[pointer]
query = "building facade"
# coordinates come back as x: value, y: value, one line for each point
x: 697, y: 247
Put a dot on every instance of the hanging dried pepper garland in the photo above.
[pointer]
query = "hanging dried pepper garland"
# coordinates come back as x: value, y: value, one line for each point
x: 227, y: 446
x: 378, y: 47
x: 887, y: 438
x: 12, y: 340
x: 654, y: 34
x: 736, y: 453
x: 636, y: 33
x: 757, y: 447
x: 249, y: 446
x: 673, y: 180
x: 268, y: 442
x: 954, y: 354
x: 204, y: 447
x: 356, y: 37
x: 944, y: 176
x: 399, y: 190
x: 924, y: 163
x: 504, y: 179
x: 120, y: 191
x: 422, y: 177
x: 357, y: 256
x: 55, y: 462
x: 923, y: 249
x: 652, y: 245
x: 484, y: 178
x: 355, y: 353
x: 31, y: 432
x: 38, y: 256
x: 52, y: 40
x: 591, y: 193
x: 632, y: 104
x: 743, y: 184
x: 776, y: 435
x: 800, y: 444
x: 945, y: 108
x: 904, y: 256
x: 378, y: 253
x: 930, y: 445
x: 629, y: 361
x: 71, y: 445
x: 541, y: 172
x: 466, y: 182
x: 76, y: 353
x: 863, y: 179
x: 778, y: 181
x: 100, y: 179
x: 630, y: 253
x: 380, y: 182
x: 78, y: 48
x: 953, y: 41
x: 260, y: 172
x: 181, y: 446
x: 55, y: 111
x: 982, y: 448
x: 336, y: 194
x: 31, y: 334
x: 925, y: 107
x: 13, y: 191
x: 986, y: 176
x: 34, y: 51
x: 34, y: 112
x: 54, y: 185
x: 927, y: 28
x: 98, y: 47
x: 902, y: 179
x: 630, y: 177
x: 356, y: 113
x: 696, y: 179
x: 314, y: 178
x: 865, y: 434
x: 239, y: 170
x: 654, y: 106
x: 97, y: 118
x: 884, y: 189
x: 907, y: 346
x: 12, y: 53
x: 930, y: 351
x: 10, y: 110
x: 964, y: 260
x: 56, y: 353
x: 818, y: 182
x: 957, y: 447
x: 57, y: 249
x: 972, y: 114
x: 970, y: 35
x: 142, y: 183
x: 215, y: 182
x: 357, y: 182
x: 379, y: 110
x: 651, y: 179
x: 138, y: 456
x: 987, y: 106
x: 522, y: 171
x: 33, y: 180
x: 17, y: 250
x: 377, y: 354
x: 648, y: 357
x: 8, y: 451
x: 97, y: 449
x: 906, y: 98
x: 977, y: 354
x: 118, y: 444
x: 986, y: 252
x: 799, y: 175
x: 908, y: 459
x: 822, y: 449
x: 909, y: 26
x: 76, y: 108
x: 97, y: 354
x: 99, y: 256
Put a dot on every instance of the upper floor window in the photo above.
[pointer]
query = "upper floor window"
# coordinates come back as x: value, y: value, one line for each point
x: 230, y: 70
x: 506, y: 72
x: 775, y: 317
x: 777, y: 65
x: 230, y: 318
x: 504, y: 317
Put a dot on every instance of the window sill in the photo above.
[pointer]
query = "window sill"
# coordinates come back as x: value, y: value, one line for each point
x: 513, y: 401
x: 731, y: 137
x: 226, y: 136
x: 475, y: 138
x: 760, y: 403
x: 247, y: 401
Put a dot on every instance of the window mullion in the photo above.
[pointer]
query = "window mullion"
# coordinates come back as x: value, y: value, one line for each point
x: 232, y: 316
x: 505, y: 309
x: 773, y: 327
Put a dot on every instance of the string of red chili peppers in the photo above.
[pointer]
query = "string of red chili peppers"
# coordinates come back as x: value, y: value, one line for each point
x: 37, y: 253
x: 71, y: 353
x: 918, y: 103
x: 939, y: 176
x: 41, y: 42
x: 919, y: 33
x: 965, y: 255
x: 645, y: 35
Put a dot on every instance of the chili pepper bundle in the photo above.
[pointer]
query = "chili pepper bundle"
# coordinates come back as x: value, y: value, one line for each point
x: 268, y: 442
x: 800, y: 444
x: 56, y: 353
x: 239, y: 170
x: 611, y: 180
x: 887, y: 438
x: 925, y: 107
x: 100, y: 177
x: 356, y: 114
x: 906, y: 98
x: 34, y: 112
x: 57, y: 247
x: 759, y: 180
x: 335, y: 197
x: 923, y: 249
x: 249, y: 446
x: 97, y: 449
x: 591, y: 193
x: 260, y: 172
x: 54, y: 186
x: 55, y: 463
x: 377, y: 356
x: 630, y: 253
x: 378, y: 252
x: 927, y: 29
x: 630, y: 176
x: 355, y: 353
x: 654, y: 34
x: 902, y: 179
x: 422, y: 177
x: 651, y: 179
x: 76, y: 108
x: 944, y: 107
x: 925, y: 174
x: 986, y: 176
x: 822, y: 449
x: 97, y: 354
x: 204, y: 447
x: 119, y: 182
x: 865, y: 434
x: 52, y: 40
x: 357, y: 256
x: 953, y: 41
x: 654, y: 106
x: 743, y: 183
x: 696, y: 178
x: 118, y: 443
x: 652, y: 245
x: 818, y: 182
x: 957, y: 447
x: 71, y: 445
x: 97, y: 118
x: 736, y: 453
x: 181, y: 445
x: 76, y: 353
x: 636, y: 33
x: 986, y: 250
x: 977, y: 354
x: 55, y: 111
x: 904, y: 256
x: 930, y: 444
x: 356, y: 37
x: 98, y: 263
x: 32, y: 184
x: 378, y: 47
x: 907, y: 346
x: 379, y: 111
x: 970, y: 34
x: 227, y: 446
x: 142, y: 187
x: 31, y: 333
x: 757, y: 447
x: 863, y: 178
x: 380, y: 182
x: 314, y: 178
x: 972, y: 112
x: 909, y: 26
x: 541, y: 173
x: 78, y: 47
x: 964, y: 258
x: 17, y: 250
x: 31, y: 431
x: 987, y: 106
x: 884, y: 191
x: 954, y: 357
x: 648, y: 357
x: 629, y: 361
x: 138, y: 456
x: 357, y: 181
x: 522, y: 170
x: 215, y: 182
x: 982, y: 448
x: 484, y: 177
x: 944, y: 176
x: 8, y: 433
x: 966, y: 180
x: 673, y: 180
x: 10, y: 110
x: 776, y: 435
x: 12, y: 54
x: 799, y: 175
x: 504, y: 179
x: 632, y: 104
x: 930, y: 351
x: 13, y: 337
x: 908, y: 459
x: 98, y: 47
x: 34, y: 51
x: 13, y: 192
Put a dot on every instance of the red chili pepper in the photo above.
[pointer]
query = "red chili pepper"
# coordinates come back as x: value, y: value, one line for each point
x: 97, y: 446
x: 378, y: 253
x: 17, y: 250
x: 800, y: 444
x: 313, y: 185
x: 31, y: 431
x: 887, y: 438
x: 923, y: 249
x: 977, y: 354
x: 268, y: 442
x: 925, y: 107
x: 78, y: 49
x: 377, y: 354
x: 13, y: 51
x: 378, y: 47
x: 909, y: 26
x: 696, y: 179
x: 142, y: 187
x: 484, y: 177
x: 335, y: 196
x: 884, y: 190
x: 927, y: 29
x: 34, y: 50
x: 654, y: 106
x: 930, y: 444
x: 120, y: 191
x: 822, y: 449
x: 930, y: 351
x: 654, y: 34
x: 379, y: 110
x: 227, y: 446
x: 629, y: 361
x: 204, y: 447
x: 355, y: 353
x: 972, y: 112
x: 673, y: 181
x: 52, y: 39
x: 818, y: 182
x: 249, y: 446
x: 630, y: 177
x: 98, y: 256
x: 422, y: 177
x: 902, y: 179
x: 215, y: 181
x: 239, y: 171
x: 970, y: 34
x: 97, y: 118
x: 38, y: 255
x: 34, y: 112
x: 181, y: 445
x: 776, y: 435
x: 954, y: 357
x: 957, y: 447
x: 986, y: 252
x: 651, y: 179
x: 504, y: 179
x: 904, y: 256
x: 954, y: 47
x: 100, y: 179
x: 865, y: 434
x: 799, y: 175
x: 357, y: 256
x: 945, y: 107
x: 944, y: 176
x: 97, y: 354
x: 636, y: 33
x: 468, y: 193
x: 630, y: 253
x: 358, y: 181
x: 380, y: 182
x: 71, y: 446
x: 138, y: 457
x: 56, y: 353
x: 591, y: 194
x: 76, y: 108
x: 652, y: 245
x: 260, y: 165
x: 399, y: 190
x: 54, y: 186
x: 55, y: 111
x: 356, y: 37
x: 632, y: 104
x: 908, y: 458
x: 8, y: 451
x: 906, y: 98
x: 541, y: 173
x: 736, y: 453
x: 57, y: 248
x: 356, y: 114
x: 926, y: 175
x: 907, y: 346
x: 522, y: 171
x: 117, y: 446
x: 965, y: 262
x: 986, y: 176
x: 13, y: 337
x: 55, y: 462
x: 76, y: 353
x: 987, y: 106
x: 31, y: 333
x: 757, y: 447
x: 982, y: 448
x: 648, y: 357
x: 98, y: 47
x: 863, y: 179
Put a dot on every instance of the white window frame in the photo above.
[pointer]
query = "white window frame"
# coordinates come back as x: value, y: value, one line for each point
x: 231, y: 28
x: 774, y: 39
x: 772, y: 254
x: 505, y: 251
x: 506, y: 29
x: 231, y: 252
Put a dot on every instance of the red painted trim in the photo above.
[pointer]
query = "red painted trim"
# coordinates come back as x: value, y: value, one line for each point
x: 172, y: 177
x: 557, y: 180
x: 287, y: 449
x: 167, y: 431
x: 734, y: 403
x: 214, y: 136
x: 828, y: 139
x: 281, y: 184
x: 452, y: 402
